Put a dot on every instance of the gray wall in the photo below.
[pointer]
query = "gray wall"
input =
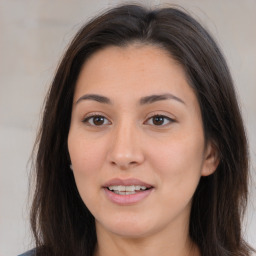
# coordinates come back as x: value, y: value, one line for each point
x: 32, y: 39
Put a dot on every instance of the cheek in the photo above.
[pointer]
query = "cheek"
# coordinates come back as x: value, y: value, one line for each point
x: 85, y: 153
x: 178, y: 163
x: 87, y: 160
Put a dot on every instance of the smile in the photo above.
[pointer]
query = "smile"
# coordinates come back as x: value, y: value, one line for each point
x: 127, y: 190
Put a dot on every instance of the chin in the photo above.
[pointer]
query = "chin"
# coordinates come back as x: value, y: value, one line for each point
x: 131, y: 233
x: 129, y: 228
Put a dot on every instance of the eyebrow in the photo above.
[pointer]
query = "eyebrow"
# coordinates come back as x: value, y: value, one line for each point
x: 95, y: 97
x: 153, y: 98
x: 143, y: 101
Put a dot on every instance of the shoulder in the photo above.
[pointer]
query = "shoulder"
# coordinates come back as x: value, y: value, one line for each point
x: 28, y: 253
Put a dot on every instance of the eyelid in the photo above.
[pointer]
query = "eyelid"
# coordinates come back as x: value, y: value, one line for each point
x: 95, y: 114
x: 170, y: 119
x: 151, y: 115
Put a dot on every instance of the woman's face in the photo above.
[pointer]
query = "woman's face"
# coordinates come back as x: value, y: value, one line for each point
x: 136, y: 141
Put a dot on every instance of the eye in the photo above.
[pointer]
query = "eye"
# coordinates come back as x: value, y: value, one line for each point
x: 96, y: 120
x: 159, y: 120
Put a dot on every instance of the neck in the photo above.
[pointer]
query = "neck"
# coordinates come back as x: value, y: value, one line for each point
x: 176, y: 244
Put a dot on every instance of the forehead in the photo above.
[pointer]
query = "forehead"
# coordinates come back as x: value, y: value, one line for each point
x: 134, y: 70
x: 135, y: 57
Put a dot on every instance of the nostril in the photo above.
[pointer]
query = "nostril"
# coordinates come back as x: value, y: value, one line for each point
x: 125, y: 159
x: 124, y: 165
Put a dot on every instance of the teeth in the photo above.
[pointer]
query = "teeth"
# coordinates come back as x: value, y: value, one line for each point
x: 123, y: 193
x: 125, y: 189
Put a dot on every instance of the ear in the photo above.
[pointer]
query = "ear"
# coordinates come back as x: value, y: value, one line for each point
x: 211, y: 159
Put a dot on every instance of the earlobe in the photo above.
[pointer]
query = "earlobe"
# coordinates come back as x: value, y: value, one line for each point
x: 211, y: 159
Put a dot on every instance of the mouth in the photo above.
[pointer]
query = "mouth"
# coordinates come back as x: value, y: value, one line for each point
x: 127, y: 191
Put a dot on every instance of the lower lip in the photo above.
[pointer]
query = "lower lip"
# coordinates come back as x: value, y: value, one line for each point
x: 127, y: 199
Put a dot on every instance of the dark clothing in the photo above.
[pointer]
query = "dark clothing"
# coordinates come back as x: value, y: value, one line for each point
x: 28, y: 253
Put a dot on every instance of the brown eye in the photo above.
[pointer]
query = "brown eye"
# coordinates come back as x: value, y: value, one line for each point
x: 96, y: 120
x: 159, y: 120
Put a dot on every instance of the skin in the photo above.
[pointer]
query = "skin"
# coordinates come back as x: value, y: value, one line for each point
x: 171, y: 156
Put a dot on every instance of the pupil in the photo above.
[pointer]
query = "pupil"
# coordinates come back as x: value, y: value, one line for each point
x: 98, y: 120
x: 158, y: 120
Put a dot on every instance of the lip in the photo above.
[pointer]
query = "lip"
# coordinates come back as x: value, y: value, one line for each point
x: 127, y: 182
x: 127, y: 199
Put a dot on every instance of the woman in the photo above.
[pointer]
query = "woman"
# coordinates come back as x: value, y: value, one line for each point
x: 142, y: 149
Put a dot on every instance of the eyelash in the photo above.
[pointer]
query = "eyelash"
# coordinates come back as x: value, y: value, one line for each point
x: 87, y: 119
x: 166, y: 118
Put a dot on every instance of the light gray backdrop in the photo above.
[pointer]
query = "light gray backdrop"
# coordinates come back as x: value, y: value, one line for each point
x: 33, y: 35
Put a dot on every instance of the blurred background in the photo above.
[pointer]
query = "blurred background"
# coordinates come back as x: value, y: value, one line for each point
x: 33, y: 36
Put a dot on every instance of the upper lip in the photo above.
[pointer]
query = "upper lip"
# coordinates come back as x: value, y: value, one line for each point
x: 126, y: 182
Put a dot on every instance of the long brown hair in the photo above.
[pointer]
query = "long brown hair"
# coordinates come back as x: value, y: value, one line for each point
x: 61, y: 223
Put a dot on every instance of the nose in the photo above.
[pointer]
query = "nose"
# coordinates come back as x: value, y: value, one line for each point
x: 125, y: 151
